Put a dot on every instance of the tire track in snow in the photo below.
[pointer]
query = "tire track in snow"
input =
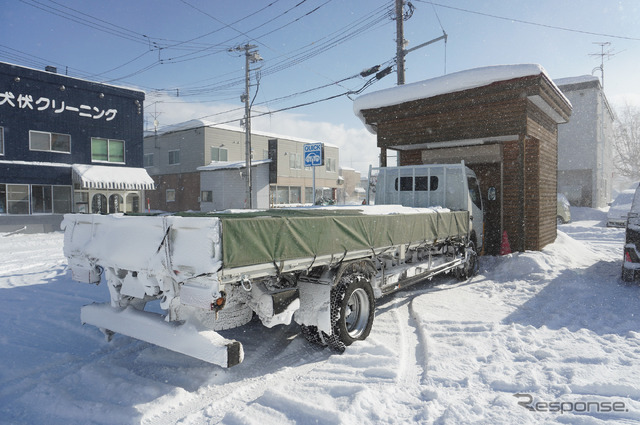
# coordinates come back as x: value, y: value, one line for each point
x: 270, y: 360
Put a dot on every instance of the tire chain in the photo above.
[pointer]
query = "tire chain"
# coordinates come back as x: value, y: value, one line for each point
x: 314, y: 336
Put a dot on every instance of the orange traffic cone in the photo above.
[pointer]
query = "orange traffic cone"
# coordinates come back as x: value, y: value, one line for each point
x: 505, y: 248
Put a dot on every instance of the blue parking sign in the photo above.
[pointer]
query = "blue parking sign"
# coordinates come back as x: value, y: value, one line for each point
x: 313, y: 155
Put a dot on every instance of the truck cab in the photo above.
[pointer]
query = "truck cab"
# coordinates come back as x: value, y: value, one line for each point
x: 451, y: 186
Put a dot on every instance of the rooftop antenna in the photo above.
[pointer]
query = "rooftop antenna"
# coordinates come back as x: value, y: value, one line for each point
x: 608, y: 53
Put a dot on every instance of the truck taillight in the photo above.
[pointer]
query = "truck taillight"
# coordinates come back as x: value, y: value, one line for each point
x: 627, y: 257
x: 219, y: 302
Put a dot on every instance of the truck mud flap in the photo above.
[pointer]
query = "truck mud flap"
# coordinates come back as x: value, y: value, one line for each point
x: 150, y: 327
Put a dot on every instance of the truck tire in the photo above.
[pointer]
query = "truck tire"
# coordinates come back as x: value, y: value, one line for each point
x: 628, y: 275
x: 352, y: 311
x: 470, y: 267
x: 228, y: 318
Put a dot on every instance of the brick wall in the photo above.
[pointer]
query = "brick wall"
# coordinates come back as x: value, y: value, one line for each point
x: 187, y: 191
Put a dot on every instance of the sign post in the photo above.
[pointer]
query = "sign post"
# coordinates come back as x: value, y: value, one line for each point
x: 313, y: 157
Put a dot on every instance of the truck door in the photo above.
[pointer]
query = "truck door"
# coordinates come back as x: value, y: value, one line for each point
x: 476, y: 210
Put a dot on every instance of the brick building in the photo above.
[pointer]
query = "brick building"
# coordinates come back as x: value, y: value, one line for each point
x: 502, y: 121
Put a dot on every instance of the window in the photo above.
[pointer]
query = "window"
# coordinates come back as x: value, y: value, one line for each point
x: 107, y: 150
x: 219, y: 154
x: 174, y: 157
x: 49, y: 142
x: 148, y: 160
x: 331, y: 164
x: 3, y: 199
x: 206, y: 196
x: 171, y: 195
x: 99, y: 204
x: 294, y: 195
x: 308, y: 195
x: 133, y: 203
x: 17, y: 198
x: 474, y: 191
x: 282, y: 195
x: 115, y: 203
x: 41, y: 199
x: 421, y: 184
x: 61, y: 199
x: 295, y: 161
x: 1, y: 140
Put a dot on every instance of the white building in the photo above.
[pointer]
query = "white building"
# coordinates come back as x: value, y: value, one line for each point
x: 585, y: 144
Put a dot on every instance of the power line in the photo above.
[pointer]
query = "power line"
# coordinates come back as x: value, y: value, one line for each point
x: 529, y: 22
x: 366, y: 85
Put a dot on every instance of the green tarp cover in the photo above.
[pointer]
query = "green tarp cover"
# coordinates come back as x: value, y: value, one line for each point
x: 277, y: 235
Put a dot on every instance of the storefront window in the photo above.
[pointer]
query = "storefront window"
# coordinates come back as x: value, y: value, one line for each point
x: 282, y: 195
x: 3, y: 199
x: 115, y: 203
x: 18, y: 198
x: 41, y: 201
x: 294, y: 195
x: 99, y: 204
x: 61, y: 199
x: 308, y: 195
x: 133, y: 203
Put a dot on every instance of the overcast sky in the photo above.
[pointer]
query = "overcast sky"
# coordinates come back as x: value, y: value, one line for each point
x: 182, y: 53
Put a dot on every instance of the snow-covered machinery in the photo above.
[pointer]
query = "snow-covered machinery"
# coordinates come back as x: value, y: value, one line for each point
x: 320, y: 267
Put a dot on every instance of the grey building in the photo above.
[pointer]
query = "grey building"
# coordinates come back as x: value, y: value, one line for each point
x: 173, y: 158
x: 585, y: 144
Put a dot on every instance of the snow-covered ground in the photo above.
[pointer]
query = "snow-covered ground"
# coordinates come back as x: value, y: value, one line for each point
x: 556, y: 327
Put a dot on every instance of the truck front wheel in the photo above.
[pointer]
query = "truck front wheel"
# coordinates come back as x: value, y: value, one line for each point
x: 470, y: 265
x: 352, y: 311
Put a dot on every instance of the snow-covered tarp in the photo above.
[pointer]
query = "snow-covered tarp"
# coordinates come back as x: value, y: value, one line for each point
x: 112, y: 177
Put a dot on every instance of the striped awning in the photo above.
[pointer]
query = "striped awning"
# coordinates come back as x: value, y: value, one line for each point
x: 111, y: 177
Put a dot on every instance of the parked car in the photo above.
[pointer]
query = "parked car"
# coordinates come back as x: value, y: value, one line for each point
x: 564, y: 211
x: 631, y: 259
x: 620, y: 207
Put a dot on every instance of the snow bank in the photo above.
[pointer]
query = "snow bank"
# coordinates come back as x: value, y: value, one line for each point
x: 558, y: 326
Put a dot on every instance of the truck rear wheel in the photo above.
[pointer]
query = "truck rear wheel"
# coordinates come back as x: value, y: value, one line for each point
x: 352, y: 311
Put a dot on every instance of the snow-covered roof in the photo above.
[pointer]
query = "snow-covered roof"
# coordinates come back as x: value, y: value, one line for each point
x: 197, y: 123
x: 225, y: 165
x: 111, y: 177
x: 576, y: 80
x: 451, y: 83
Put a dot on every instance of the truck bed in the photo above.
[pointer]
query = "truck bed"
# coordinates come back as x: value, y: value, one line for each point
x: 237, y: 243
x: 281, y: 235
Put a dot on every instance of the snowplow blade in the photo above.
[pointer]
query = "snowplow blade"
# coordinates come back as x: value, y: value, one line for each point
x: 185, y: 338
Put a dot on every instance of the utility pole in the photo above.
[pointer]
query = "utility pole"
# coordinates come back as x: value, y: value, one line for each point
x: 251, y: 56
x: 400, y: 41
x: 401, y: 52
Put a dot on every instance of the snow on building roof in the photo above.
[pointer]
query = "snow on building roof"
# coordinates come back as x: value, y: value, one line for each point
x: 576, y: 80
x: 450, y: 83
x: 111, y: 177
x: 197, y: 123
x: 224, y: 165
